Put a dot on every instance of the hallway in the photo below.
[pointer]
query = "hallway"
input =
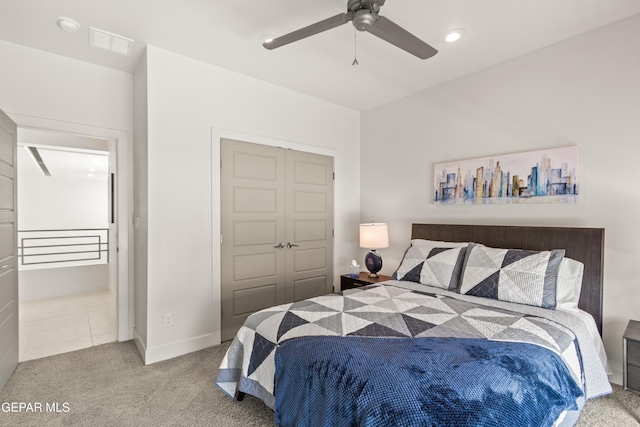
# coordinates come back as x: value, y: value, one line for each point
x: 59, y: 325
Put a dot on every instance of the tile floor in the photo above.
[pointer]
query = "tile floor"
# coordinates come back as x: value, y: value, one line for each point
x: 59, y: 325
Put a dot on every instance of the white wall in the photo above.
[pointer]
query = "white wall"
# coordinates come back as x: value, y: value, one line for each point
x: 584, y: 92
x: 41, y: 84
x: 187, y: 101
x: 51, y: 203
x: 46, y: 203
x: 62, y: 281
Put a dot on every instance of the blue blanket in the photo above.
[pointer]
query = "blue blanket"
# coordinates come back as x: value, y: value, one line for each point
x: 362, y: 381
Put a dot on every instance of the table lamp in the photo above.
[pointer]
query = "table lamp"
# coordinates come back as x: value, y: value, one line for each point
x: 373, y: 235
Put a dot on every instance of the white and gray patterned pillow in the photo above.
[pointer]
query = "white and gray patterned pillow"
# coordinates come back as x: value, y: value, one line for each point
x: 433, y: 266
x: 515, y: 275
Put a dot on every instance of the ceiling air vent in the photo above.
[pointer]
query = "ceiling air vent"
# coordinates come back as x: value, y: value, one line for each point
x: 109, y: 41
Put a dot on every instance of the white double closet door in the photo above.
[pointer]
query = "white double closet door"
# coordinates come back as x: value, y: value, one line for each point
x: 277, y: 229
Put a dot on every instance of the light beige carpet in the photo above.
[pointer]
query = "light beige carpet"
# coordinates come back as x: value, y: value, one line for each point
x: 109, y: 386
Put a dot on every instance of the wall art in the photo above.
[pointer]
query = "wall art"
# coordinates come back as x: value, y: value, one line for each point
x: 545, y: 176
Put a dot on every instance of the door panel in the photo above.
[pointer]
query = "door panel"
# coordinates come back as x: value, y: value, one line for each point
x: 249, y: 301
x: 8, y: 250
x: 255, y: 200
x: 6, y: 193
x: 254, y: 266
x: 252, y: 223
x: 309, y: 230
x: 253, y: 166
x: 309, y: 202
x: 310, y: 173
x: 309, y: 287
x: 7, y: 240
x: 306, y: 260
x: 255, y: 233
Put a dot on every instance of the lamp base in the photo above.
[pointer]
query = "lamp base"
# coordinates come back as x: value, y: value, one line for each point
x: 373, y: 262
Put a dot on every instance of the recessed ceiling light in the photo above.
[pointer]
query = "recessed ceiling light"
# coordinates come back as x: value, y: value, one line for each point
x: 109, y: 41
x: 454, y: 35
x: 68, y: 24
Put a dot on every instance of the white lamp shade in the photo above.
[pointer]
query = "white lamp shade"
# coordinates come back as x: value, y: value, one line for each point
x: 374, y: 235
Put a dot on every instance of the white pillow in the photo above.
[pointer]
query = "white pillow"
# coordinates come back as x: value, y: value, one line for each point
x: 569, y: 284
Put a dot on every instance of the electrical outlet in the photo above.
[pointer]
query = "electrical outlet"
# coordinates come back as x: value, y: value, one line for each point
x: 168, y: 319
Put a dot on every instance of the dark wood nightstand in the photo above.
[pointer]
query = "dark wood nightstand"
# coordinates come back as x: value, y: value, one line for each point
x: 631, y: 356
x: 347, y: 282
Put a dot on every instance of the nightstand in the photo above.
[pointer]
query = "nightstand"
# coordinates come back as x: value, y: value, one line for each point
x: 631, y: 356
x: 347, y: 282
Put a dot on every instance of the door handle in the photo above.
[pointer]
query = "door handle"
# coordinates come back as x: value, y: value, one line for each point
x: 279, y: 246
x: 291, y: 245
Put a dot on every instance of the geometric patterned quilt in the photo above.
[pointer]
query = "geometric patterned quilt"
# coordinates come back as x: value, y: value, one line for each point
x: 378, y: 311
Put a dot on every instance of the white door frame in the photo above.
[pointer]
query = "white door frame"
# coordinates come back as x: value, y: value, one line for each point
x: 125, y: 316
x: 216, y: 135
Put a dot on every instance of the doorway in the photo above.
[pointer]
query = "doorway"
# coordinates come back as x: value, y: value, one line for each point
x: 122, y: 208
x: 66, y: 240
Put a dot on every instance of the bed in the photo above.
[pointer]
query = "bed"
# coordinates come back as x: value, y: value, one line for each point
x: 454, y: 339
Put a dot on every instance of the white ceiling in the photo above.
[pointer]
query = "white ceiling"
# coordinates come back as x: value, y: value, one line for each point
x: 64, y: 155
x: 64, y: 163
x: 227, y: 33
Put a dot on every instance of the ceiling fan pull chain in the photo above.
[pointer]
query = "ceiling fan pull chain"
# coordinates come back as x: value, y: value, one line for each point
x: 355, y: 47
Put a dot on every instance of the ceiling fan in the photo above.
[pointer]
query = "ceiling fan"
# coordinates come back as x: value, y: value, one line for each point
x: 364, y: 15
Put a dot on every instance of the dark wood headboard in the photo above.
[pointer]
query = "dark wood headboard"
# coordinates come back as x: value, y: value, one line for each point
x: 582, y: 244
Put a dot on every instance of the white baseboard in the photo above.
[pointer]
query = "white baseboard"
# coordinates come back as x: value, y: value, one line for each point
x: 142, y: 349
x: 179, y: 348
x: 616, y: 376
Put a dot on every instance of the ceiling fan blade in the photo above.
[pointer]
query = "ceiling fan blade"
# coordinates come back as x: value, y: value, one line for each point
x: 389, y: 31
x: 318, y: 27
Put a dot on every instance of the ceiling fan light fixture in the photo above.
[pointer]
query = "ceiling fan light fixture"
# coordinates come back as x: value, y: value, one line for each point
x: 454, y: 35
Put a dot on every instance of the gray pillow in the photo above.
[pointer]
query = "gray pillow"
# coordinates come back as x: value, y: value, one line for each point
x: 515, y: 275
x: 433, y: 266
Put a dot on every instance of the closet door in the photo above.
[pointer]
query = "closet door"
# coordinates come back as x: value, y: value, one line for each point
x: 309, y: 225
x: 253, y: 231
x: 277, y: 229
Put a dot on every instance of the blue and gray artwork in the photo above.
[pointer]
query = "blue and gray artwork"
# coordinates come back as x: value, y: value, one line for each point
x: 549, y: 176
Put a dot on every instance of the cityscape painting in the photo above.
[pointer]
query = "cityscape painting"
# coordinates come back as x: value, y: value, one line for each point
x: 546, y: 176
